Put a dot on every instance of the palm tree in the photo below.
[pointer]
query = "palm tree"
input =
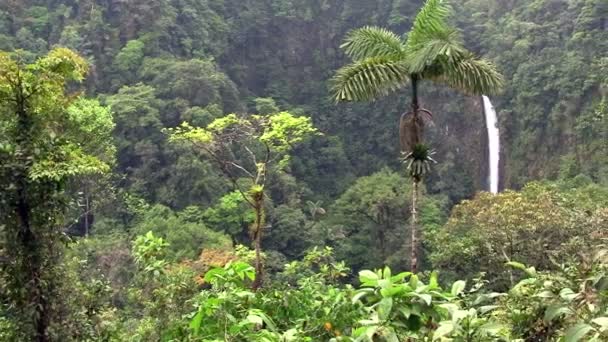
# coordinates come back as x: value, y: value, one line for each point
x: 384, y: 62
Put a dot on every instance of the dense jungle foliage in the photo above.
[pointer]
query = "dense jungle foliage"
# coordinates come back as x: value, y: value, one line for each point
x: 195, y: 170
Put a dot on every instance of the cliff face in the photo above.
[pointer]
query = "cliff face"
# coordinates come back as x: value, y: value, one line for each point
x: 552, y: 54
x: 461, y: 140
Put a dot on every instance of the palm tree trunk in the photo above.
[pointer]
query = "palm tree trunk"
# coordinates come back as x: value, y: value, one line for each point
x: 415, y: 105
x: 417, y: 139
x: 415, y: 108
x: 414, y: 225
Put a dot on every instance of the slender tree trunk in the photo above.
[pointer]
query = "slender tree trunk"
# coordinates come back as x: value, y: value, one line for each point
x: 382, y: 240
x: 86, y: 213
x: 31, y: 263
x: 415, y: 109
x: 257, y: 283
x: 414, y: 213
x: 258, y: 224
x: 414, y: 226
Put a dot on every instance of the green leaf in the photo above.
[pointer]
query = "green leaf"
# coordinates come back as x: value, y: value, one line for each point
x: 369, y: 79
x: 491, y: 328
x: 487, y: 297
x: 269, y: 322
x: 214, y: 273
x: 444, y: 329
x: 406, y: 311
x: 458, y: 287
x: 433, y: 282
x: 545, y: 294
x: 384, y: 283
x: 384, y: 308
x: 392, y: 291
x: 413, y: 281
x: 386, y: 274
x: 567, y: 294
x: 516, y: 265
x: 368, y: 277
x: 390, y: 335
x: 255, y: 319
x: 196, y: 322
x: 577, y: 332
x: 399, y: 277
x: 372, y: 41
x: 555, y: 311
x: 524, y: 282
x: 360, y: 294
x: 487, y: 308
x: 476, y: 77
x: 427, y: 298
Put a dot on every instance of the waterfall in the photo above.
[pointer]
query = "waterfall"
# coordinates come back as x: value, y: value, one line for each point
x: 493, y: 144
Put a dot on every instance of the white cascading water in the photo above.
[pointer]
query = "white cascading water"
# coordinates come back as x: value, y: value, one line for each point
x: 493, y: 144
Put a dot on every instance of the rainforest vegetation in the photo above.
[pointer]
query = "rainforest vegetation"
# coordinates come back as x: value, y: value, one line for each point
x: 302, y: 170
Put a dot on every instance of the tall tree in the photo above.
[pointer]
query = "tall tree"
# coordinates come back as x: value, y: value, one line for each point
x: 246, y: 149
x: 385, y: 62
x: 37, y: 159
x: 90, y: 125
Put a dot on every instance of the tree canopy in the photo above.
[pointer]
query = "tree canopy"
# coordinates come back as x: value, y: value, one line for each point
x: 180, y: 170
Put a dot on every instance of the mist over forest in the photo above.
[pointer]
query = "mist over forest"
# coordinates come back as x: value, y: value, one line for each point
x: 304, y: 170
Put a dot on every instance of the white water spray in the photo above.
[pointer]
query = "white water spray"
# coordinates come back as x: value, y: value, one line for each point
x: 493, y: 143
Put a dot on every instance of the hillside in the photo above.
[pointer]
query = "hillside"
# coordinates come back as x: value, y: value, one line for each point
x: 303, y: 170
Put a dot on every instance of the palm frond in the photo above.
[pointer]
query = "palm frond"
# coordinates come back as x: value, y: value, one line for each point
x: 371, y: 41
x: 431, y: 18
x: 369, y: 79
x: 472, y: 75
x: 438, y: 45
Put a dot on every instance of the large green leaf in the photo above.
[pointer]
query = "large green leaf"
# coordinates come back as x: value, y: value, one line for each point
x: 441, y: 45
x: 473, y: 76
x: 384, y: 308
x: 372, y: 41
x: 567, y: 294
x: 393, y: 291
x: 368, y: 277
x: 444, y: 329
x: 458, y: 287
x: 491, y: 328
x: 426, y: 298
x: 369, y: 79
x: 577, y: 332
x: 430, y: 19
x: 362, y: 293
x: 555, y: 311
x: 196, y: 322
